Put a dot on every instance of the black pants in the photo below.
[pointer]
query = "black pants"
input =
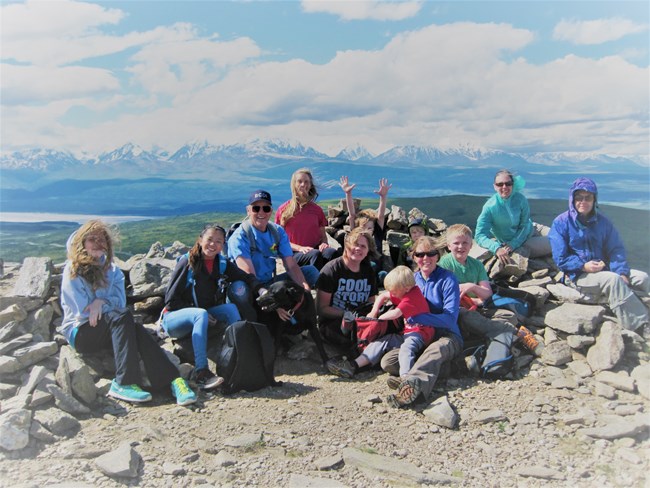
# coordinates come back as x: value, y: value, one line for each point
x: 130, y: 342
x: 315, y: 257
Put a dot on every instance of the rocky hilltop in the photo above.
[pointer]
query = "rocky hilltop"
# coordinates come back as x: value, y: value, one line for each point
x: 576, y: 416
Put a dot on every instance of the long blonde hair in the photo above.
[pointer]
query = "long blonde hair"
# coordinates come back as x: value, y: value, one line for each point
x: 294, y: 207
x: 83, y: 264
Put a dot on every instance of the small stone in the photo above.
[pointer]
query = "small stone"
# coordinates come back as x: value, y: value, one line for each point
x: 122, y: 462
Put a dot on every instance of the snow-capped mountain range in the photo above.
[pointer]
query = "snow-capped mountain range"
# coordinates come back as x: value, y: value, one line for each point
x: 132, y: 155
x: 198, y: 176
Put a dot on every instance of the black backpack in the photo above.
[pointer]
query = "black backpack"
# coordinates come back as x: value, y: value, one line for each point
x: 247, y: 357
x: 493, y: 357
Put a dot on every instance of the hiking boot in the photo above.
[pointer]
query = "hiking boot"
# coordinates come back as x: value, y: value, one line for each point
x: 128, y: 393
x: 529, y: 342
x: 182, y: 391
x: 341, y: 367
x: 393, y: 382
x: 408, y: 391
x: 206, y: 379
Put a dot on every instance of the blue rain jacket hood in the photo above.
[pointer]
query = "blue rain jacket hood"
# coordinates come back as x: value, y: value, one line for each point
x: 584, y: 184
x: 576, y: 241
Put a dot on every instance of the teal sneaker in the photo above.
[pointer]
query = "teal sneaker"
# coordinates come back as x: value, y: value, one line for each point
x: 129, y: 393
x: 182, y: 391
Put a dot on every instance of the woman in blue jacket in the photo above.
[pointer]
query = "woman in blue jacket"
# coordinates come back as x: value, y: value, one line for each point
x: 589, y: 250
x: 95, y: 317
x: 440, y: 287
x: 504, y: 225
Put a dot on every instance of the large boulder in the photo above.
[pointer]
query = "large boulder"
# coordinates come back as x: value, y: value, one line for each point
x: 34, y: 278
x: 609, y: 348
x: 573, y: 318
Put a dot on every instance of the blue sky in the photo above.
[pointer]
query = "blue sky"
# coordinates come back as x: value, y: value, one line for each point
x: 518, y: 76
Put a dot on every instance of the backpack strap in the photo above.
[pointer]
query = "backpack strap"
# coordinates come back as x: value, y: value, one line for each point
x: 222, y: 264
x: 248, y: 228
x: 191, y: 280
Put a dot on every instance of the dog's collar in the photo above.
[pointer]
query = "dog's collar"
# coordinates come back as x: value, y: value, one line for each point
x: 293, y: 310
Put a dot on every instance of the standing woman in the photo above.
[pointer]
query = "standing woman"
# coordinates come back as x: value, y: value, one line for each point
x: 95, y: 317
x: 305, y: 222
x: 504, y: 225
x: 196, y: 291
x: 440, y: 287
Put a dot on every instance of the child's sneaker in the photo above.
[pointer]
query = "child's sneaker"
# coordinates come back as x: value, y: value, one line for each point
x: 206, y: 379
x: 529, y: 342
x: 129, y: 393
x: 341, y: 367
x: 393, y: 382
x: 182, y: 391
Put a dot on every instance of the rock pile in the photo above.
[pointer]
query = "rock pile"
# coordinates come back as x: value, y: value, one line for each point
x: 50, y: 396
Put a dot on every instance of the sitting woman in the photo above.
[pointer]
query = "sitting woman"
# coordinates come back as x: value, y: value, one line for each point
x: 589, y: 250
x: 304, y: 222
x: 196, y: 291
x: 441, y: 290
x: 95, y: 318
x: 346, y: 283
x: 504, y: 225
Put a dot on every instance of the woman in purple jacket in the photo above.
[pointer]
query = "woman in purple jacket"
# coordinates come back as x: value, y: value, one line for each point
x: 589, y: 250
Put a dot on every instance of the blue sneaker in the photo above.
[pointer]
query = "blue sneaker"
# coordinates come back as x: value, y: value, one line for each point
x: 182, y: 391
x: 129, y: 393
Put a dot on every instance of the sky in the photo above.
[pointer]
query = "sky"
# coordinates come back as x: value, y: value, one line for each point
x: 519, y: 76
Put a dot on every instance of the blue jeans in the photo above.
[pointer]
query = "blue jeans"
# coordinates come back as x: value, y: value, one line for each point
x: 191, y: 320
x: 408, y: 351
x: 241, y: 295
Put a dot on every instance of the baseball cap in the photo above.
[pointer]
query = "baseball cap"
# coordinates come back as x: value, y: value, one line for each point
x: 259, y: 195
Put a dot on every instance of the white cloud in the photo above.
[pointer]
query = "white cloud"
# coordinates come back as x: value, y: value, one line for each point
x: 36, y: 84
x: 361, y: 10
x: 439, y: 85
x: 596, y: 31
x: 176, y: 67
x: 38, y: 19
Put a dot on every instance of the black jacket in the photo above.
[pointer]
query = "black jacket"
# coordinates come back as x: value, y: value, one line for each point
x: 208, y: 291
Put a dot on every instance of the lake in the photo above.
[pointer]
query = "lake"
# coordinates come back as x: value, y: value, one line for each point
x: 30, y: 217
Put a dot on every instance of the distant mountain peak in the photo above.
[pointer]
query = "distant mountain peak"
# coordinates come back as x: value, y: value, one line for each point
x: 355, y: 152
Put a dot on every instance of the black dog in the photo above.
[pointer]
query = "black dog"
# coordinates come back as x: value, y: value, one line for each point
x: 300, y: 304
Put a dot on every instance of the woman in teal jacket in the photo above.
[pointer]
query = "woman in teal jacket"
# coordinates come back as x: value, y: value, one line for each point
x: 504, y: 225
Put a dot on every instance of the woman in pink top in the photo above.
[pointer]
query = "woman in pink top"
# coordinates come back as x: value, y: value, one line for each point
x: 304, y: 221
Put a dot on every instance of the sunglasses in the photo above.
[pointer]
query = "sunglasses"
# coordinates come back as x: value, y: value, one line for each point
x: 257, y: 208
x: 583, y: 198
x: 428, y: 254
x: 503, y: 183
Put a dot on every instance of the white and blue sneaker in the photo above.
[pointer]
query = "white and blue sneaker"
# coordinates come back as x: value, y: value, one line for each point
x: 182, y: 391
x: 129, y: 393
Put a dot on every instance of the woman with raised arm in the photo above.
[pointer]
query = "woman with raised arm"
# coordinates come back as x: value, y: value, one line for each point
x: 304, y: 222
x: 95, y: 318
x: 370, y: 220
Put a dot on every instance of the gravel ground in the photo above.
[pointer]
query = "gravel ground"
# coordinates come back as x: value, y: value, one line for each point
x: 523, y: 432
